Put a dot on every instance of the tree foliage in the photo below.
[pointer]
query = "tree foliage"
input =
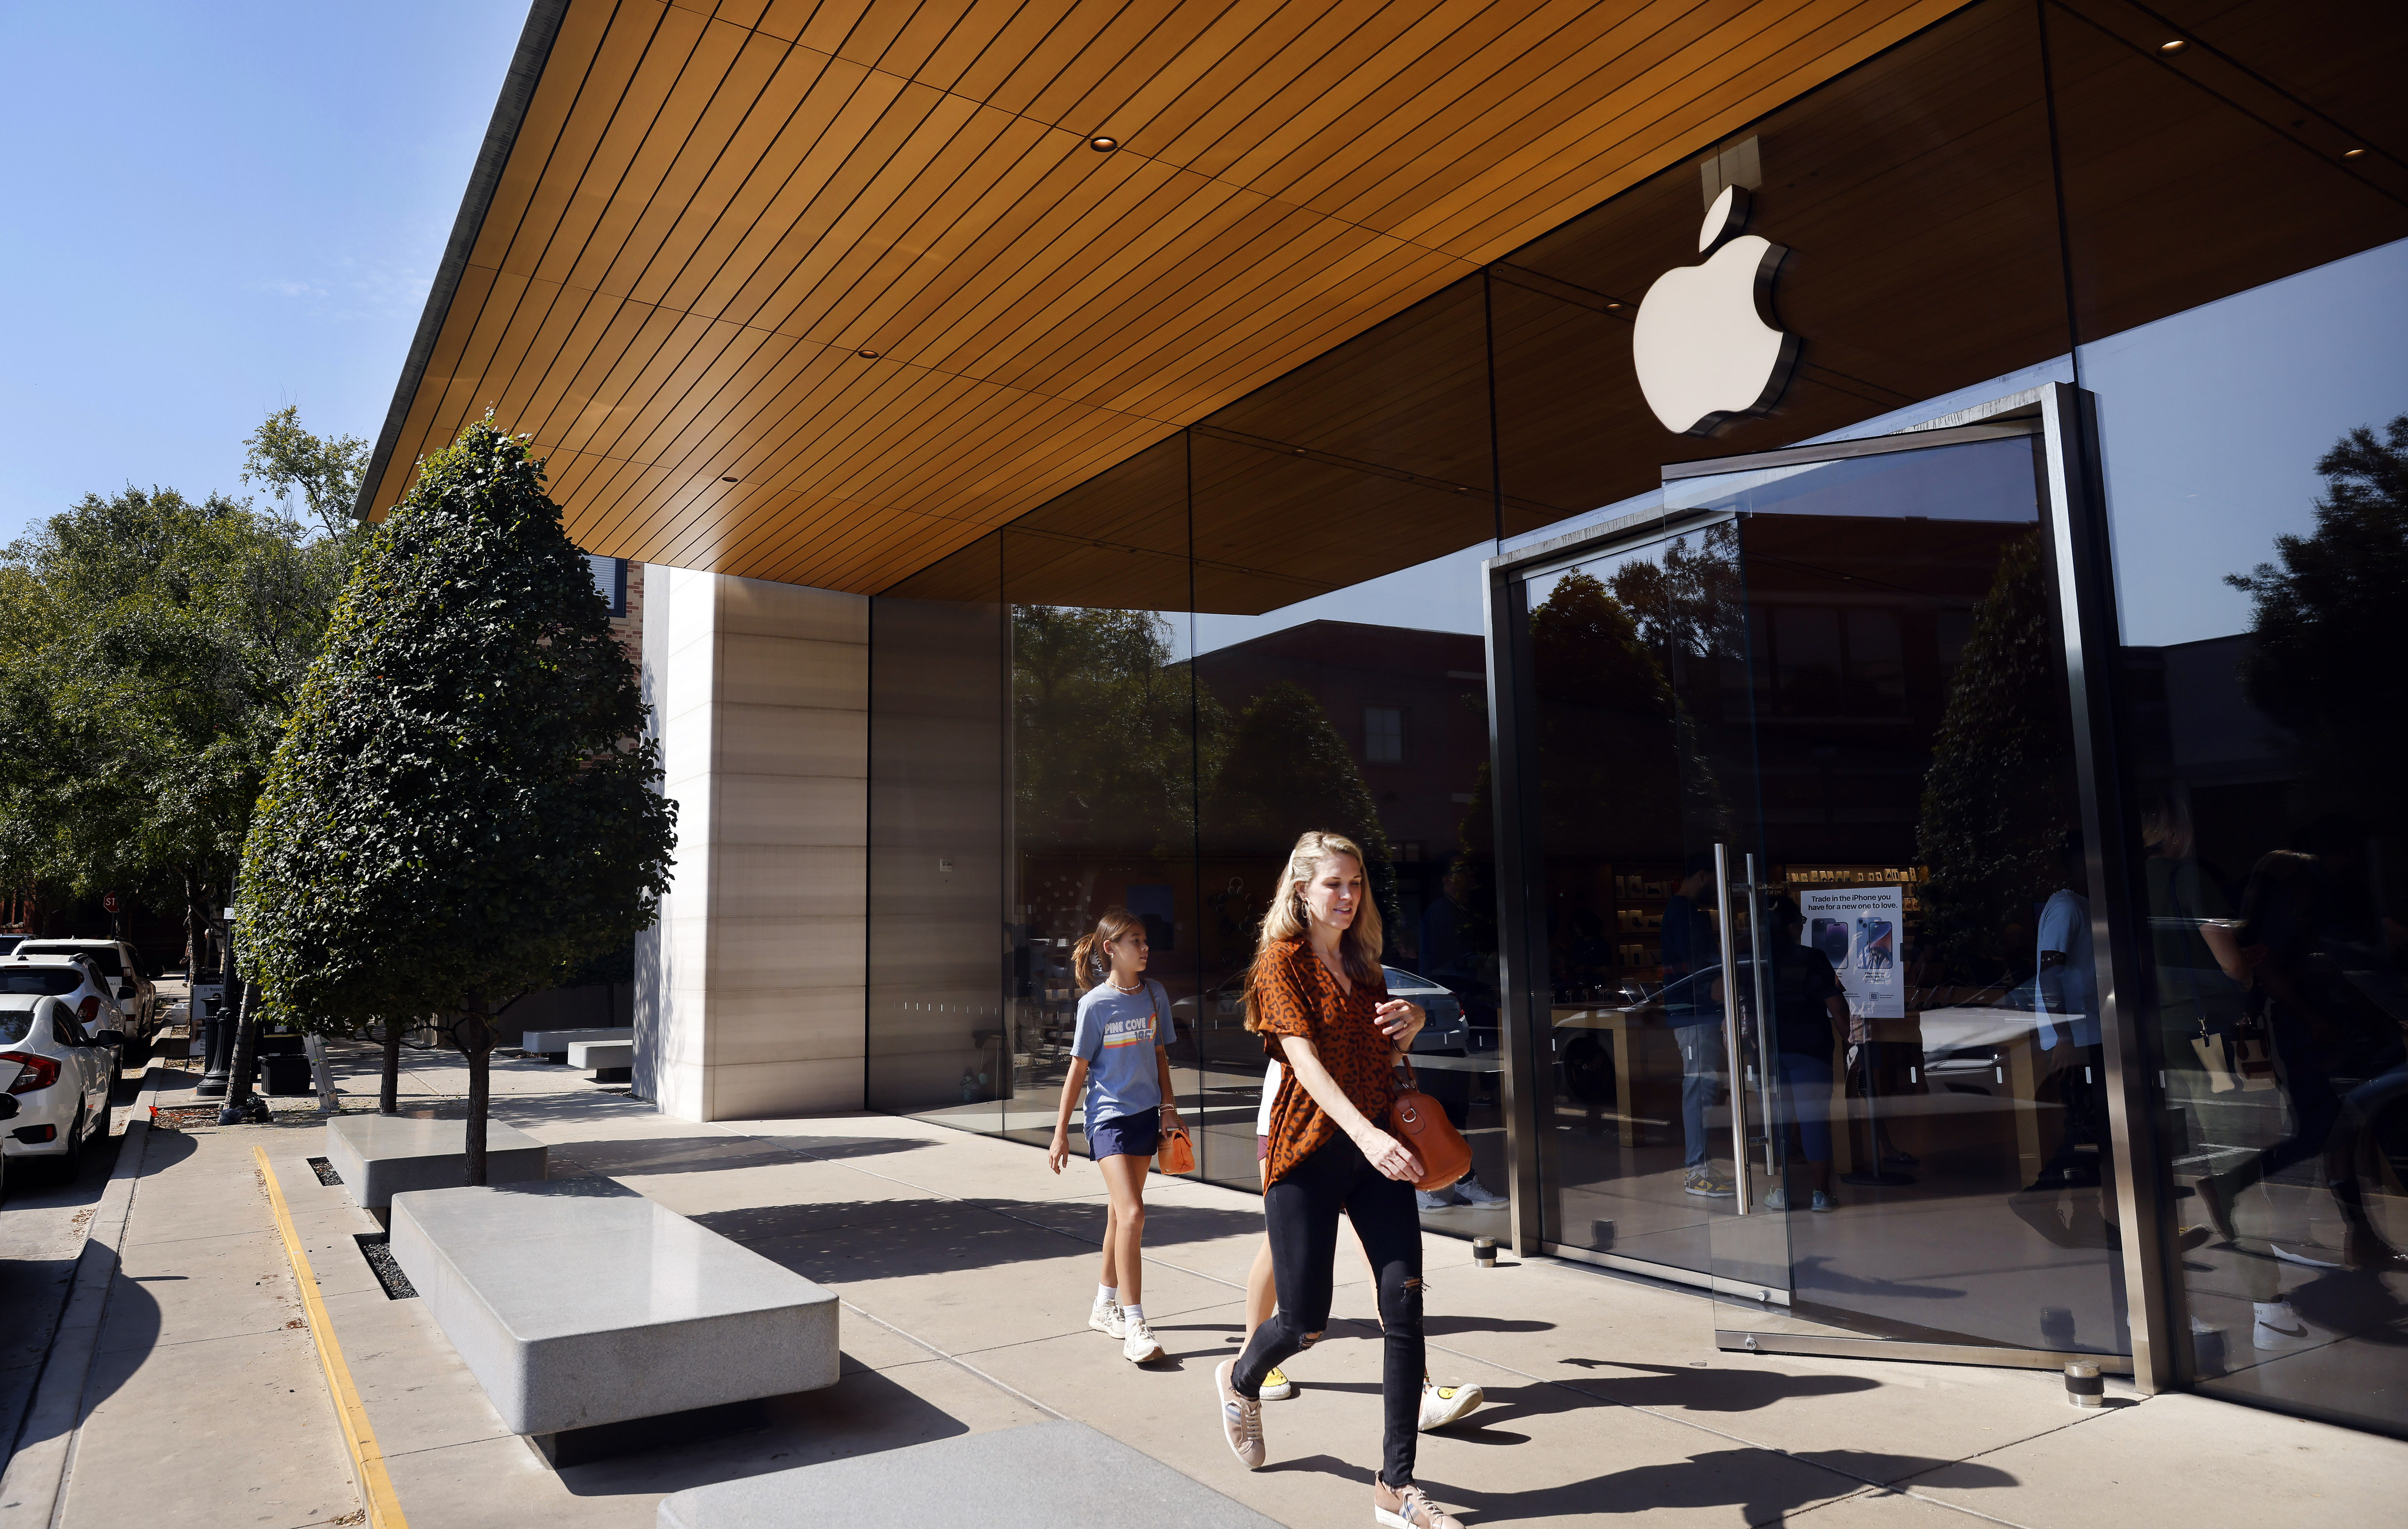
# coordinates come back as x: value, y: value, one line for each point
x: 1999, y: 793
x: 2324, y: 613
x: 462, y: 809
x: 149, y: 649
x: 1287, y: 770
x: 325, y: 471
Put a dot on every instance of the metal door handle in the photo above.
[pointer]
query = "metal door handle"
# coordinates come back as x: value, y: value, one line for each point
x: 1730, y: 1029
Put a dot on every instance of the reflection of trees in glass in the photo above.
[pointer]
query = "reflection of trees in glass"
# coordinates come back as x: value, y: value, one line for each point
x: 2326, y: 623
x: 1286, y: 770
x: 1104, y: 761
x: 1999, y: 793
x: 1689, y: 603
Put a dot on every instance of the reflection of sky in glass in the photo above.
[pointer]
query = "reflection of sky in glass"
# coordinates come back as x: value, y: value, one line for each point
x: 1541, y: 586
x: 2211, y: 422
x: 1440, y: 595
x: 1980, y: 480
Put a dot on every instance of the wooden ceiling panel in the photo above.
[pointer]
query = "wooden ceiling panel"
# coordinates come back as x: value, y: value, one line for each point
x: 691, y: 215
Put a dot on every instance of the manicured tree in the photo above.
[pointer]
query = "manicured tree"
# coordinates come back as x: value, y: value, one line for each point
x: 464, y: 807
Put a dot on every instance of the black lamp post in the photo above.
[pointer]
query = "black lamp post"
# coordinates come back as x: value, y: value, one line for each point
x: 217, y: 1031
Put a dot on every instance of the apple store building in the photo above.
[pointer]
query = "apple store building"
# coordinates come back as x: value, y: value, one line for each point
x: 1930, y: 551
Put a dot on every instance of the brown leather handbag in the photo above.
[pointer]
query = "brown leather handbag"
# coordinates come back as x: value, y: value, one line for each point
x: 1417, y: 1120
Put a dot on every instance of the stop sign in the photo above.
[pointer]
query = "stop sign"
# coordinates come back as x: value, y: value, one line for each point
x: 109, y: 902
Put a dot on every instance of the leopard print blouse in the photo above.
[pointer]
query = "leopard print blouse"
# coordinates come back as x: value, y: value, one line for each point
x: 1294, y: 995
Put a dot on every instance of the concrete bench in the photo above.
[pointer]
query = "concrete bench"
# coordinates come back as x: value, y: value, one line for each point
x: 380, y: 1156
x: 579, y: 1304
x: 611, y: 1061
x: 1045, y: 1476
x: 553, y: 1045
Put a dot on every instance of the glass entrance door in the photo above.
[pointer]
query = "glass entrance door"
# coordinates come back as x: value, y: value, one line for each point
x: 1825, y: 1033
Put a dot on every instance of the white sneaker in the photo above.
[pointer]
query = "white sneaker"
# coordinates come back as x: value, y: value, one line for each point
x: 1276, y: 1386
x: 1139, y: 1347
x: 1476, y: 1193
x: 1105, y: 1317
x: 1443, y: 1404
x: 1427, y: 1200
x: 1777, y: 1200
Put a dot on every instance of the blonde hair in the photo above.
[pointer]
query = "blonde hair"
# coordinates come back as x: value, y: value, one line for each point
x: 1087, y: 960
x: 1359, y: 947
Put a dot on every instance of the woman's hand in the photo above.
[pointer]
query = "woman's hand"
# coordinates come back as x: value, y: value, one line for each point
x: 1400, y: 1021
x: 1170, y: 1116
x: 1392, y: 1157
x: 1060, y: 1151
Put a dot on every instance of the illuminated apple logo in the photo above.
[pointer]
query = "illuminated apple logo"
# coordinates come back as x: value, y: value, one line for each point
x: 1705, y: 343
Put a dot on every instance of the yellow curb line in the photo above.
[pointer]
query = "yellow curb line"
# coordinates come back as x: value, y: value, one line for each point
x: 384, y: 1507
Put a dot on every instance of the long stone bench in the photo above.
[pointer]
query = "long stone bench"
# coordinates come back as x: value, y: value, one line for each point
x: 380, y: 1156
x: 553, y: 1045
x: 580, y: 1305
x: 611, y: 1061
x: 1045, y: 1476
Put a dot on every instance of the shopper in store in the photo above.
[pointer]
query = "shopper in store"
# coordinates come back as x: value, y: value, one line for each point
x: 1121, y: 1069
x: 2067, y: 988
x: 1316, y: 996
x: 1440, y: 1405
x: 1692, y: 963
x: 1808, y: 1006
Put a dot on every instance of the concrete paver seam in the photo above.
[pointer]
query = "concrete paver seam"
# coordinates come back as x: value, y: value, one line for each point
x: 382, y: 1506
x: 954, y: 1359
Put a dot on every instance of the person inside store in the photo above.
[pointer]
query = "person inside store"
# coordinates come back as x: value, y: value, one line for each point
x: 1446, y: 958
x: 1809, y: 1008
x: 2068, y: 985
x: 2315, y: 957
x: 1316, y: 995
x: 1693, y: 1008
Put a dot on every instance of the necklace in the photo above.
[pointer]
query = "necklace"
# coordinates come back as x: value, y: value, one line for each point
x: 1131, y: 988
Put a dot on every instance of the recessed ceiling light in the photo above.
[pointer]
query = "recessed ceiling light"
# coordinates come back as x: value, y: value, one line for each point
x: 727, y: 480
x: 2175, y: 46
x: 1612, y: 306
x: 1103, y: 145
x: 2351, y: 154
x: 866, y: 355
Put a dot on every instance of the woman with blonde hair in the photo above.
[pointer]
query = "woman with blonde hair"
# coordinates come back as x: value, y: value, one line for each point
x: 1317, y: 997
x: 1120, y: 1070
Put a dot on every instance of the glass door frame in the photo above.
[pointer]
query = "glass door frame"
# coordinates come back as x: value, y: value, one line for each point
x: 2073, y: 521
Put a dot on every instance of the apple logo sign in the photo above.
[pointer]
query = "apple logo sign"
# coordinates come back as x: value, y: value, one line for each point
x: 1705, y: 343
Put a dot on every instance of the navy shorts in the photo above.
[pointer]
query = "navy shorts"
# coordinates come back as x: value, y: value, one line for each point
x: 1125, y: 1136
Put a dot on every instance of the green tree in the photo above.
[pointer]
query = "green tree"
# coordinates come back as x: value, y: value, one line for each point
x: 2326, y: 612
x: 325, y: 471
x: 463, y: 809
x: 1288, y: 770
x: 1998, y: 797
x: 149, y: 649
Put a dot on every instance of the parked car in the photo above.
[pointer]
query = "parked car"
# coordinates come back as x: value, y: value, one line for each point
x: 63, y: 1074
x: 9, y: 942
x: 76, y: 979
x: 141, y: 1012
x: 135, y: 994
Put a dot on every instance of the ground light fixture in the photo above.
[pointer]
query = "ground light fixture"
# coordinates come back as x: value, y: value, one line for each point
x: 1102, y: 144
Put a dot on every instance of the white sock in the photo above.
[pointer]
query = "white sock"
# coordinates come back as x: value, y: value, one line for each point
x: 1134, y: 1313
x: 1108, y: 1295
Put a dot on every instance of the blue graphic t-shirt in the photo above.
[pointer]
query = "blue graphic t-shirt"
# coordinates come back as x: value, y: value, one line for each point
x: 1117, y: 1033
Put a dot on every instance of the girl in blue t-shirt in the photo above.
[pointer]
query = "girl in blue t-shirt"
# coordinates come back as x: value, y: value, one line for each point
x: 1123, y: 1073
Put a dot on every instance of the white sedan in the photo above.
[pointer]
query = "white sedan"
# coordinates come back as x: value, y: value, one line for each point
x: 63, y: 1073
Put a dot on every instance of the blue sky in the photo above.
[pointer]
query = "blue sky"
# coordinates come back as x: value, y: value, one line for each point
x: 217, y: 211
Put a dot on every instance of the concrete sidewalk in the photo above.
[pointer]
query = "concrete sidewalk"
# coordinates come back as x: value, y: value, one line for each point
x: 966, y: 1270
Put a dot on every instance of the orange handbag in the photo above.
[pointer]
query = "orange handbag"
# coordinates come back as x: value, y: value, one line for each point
x: 1175, y: 1154
x: 1417, y: 1120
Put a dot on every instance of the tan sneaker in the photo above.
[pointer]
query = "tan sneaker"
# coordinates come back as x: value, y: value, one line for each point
x: 1408, y: 1509
x: 1242, y: 1420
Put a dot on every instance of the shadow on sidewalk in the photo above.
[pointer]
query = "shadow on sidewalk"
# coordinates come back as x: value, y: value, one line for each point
x: 1755, y: 1481
x: 1710, y: 1390
x: 843, y: 1241
x: 634, y: 1155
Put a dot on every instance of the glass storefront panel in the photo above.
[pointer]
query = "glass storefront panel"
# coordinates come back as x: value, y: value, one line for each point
x: 2252, y: 457
x: 2261, y: 540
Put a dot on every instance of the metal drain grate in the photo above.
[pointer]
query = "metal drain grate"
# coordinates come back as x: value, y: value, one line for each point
x: 323, y: 1169
x: 373, y: 1246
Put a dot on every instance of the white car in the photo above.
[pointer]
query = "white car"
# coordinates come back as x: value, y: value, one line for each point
x: 120, y: 968
x: 63, y: 1073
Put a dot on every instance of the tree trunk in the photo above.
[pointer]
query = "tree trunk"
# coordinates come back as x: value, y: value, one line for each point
x: 246, y: 1051
x: 477, y: 1044
x: 389, y: 1090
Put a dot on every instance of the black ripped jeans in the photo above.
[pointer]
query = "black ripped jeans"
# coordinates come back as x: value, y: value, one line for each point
x: 1302, y: 1209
